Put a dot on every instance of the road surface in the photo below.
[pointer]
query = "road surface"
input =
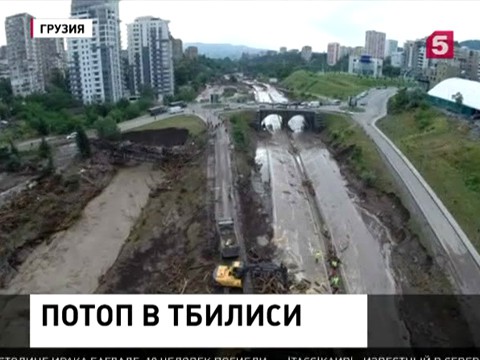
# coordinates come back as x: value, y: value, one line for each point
x: 226, y: 198
x: 461, y: 256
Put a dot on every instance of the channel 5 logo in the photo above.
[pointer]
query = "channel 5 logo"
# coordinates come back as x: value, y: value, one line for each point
x: 440, y: 45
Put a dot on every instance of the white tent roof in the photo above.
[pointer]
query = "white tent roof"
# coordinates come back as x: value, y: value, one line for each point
x: 470, y: 91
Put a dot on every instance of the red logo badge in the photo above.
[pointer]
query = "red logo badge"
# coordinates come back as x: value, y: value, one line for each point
x: 440, y: 45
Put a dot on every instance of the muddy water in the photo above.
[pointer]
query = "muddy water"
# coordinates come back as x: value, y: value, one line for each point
x: 364, y: 260
x: 360, y: 240
x: 73, y: 260
x: 295, y: 232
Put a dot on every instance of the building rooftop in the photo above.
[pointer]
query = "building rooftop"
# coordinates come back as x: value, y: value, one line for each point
x: 469, y: 89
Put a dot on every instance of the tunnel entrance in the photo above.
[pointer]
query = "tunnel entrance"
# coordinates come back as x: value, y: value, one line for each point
x: 313, y: 121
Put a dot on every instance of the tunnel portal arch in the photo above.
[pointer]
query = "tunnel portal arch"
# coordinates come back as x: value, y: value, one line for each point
x: 313, y: 121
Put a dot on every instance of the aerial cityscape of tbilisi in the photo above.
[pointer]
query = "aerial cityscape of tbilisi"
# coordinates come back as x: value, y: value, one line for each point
x: 276, y: 147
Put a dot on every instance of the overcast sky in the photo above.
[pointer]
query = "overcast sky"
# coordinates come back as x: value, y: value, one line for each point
x: 270, y: 24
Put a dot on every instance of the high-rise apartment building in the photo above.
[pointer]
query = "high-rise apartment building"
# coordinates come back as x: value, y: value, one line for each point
x: 333, y: 53
x: 94, y: 64
x: 375, y: 44
x: 4, y: 71
x: 397, y: 59
x: 306, y: 53
x: 191, y: 52
x: 31, y: 62
x: 150, y: 54
x: 408, y: 52
x: 358, y: 50
x: 177, y: 48
x: 23, y: 58
x: 127, y: 74
x: 283, y: 50
x: 391, y: 47
x: 345, y: 50
x: 53, y: 57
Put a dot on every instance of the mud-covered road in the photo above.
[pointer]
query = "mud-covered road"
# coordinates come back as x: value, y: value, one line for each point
x: 364, y: 252
x: 296, y: 231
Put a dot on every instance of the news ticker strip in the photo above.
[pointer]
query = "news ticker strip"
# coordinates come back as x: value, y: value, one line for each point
x: 240, y: 354
x: 201, y: 321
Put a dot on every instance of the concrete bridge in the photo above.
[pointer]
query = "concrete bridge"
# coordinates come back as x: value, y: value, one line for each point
x: 313, y: 121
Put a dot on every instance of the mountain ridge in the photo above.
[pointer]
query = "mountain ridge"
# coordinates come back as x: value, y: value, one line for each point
x: 223, y: 50
x: 471, y: 44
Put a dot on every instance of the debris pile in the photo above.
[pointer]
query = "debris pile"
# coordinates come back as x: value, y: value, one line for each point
x: 48, y: 204
x: 270, y: 282
x: 125, y: 151
x: 167, y: 157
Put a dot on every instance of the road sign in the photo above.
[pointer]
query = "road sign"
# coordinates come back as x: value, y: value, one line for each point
x: 440, y: 45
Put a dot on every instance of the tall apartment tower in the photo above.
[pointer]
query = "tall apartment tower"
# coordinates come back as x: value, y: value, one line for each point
x: 177, y: 48
x: 95, y: 66
x: 375, y: 44
x: 53, y: 57
x: 23, y: 56
x: 391, y: 47
x: 333, y: 53
x: 151, y: 55
x: 306, y: 53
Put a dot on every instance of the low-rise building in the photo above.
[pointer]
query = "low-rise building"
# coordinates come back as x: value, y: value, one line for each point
x: 365, y: 65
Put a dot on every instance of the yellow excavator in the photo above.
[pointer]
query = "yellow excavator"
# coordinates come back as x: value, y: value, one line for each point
x: 232, y: 275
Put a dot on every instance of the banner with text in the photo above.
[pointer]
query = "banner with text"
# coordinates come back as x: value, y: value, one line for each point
x: 199, y: 321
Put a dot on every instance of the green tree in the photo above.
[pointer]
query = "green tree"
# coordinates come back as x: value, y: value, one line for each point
x: 107, y: 129
x: 117, y: 115
x: 83, y: 143
x: 146, y: 92
x: 44, y: 149
x: 458, y: 98
x: 41, y: 127
x: 6, y: 91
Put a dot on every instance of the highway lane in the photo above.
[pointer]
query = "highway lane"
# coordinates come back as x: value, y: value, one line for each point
x: 462, y: 258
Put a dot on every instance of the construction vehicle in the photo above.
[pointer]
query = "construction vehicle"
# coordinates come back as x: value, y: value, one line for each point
x: 229, y: 247
x: 232, y: 275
